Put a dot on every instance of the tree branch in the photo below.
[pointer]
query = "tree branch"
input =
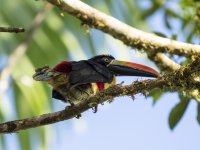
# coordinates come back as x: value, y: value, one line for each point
x: 164, y: 63
x: 176, y: 80
x: 11, y: 29
x: 129, y: 35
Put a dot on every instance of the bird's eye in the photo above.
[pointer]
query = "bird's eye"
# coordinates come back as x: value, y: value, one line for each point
x: 106, y: 60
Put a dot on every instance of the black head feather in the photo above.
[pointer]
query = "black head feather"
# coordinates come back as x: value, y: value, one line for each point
x: 102, y: 59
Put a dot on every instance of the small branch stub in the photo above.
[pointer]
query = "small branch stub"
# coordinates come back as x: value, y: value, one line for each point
x: 11, y: 29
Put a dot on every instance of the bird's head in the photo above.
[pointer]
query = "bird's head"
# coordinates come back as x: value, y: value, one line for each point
x: 124, y: 68
x: 104, y: 60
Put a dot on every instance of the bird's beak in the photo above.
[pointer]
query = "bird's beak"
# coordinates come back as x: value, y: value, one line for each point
x: 44, y: 74
x: 122, y: 68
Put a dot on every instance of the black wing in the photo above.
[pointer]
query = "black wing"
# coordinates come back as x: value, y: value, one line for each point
x: 87, y: 71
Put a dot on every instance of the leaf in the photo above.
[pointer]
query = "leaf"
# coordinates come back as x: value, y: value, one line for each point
x: 24, y: 140
x: 178, y: 111
x: 189, y: 37
x: 174, y: 37
x: 33, y: 98
x: 172, y: 14
x: 160, y: 34
x: 2, y: 143
x: 156, y: 94
x: 198, y: 113
x: 185, y: 23
x: 167, y: 21
x: 149, y: 12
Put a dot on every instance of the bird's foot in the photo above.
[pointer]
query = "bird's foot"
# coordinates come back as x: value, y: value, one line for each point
x: 121, y: 83
x: 94, y: 106
x: 110, y: 100
x: 95, y: 109
x: 78, y: 116
x: 133, y: 97
x: 70, y: 106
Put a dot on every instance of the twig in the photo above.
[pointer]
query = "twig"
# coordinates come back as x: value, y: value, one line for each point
x: 164, y: 62
x: 174, y: 81
x: 11, y: 29
x: 129, y: 35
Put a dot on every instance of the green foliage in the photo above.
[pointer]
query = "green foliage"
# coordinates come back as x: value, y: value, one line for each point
x: 160, y: 34
x: 191, y: 15
x: 156, y: 94
x: 178, y: 111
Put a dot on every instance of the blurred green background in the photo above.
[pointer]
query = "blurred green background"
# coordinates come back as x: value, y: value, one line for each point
x: 52, y: 35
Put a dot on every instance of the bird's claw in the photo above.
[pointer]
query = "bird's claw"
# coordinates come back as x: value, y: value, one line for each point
x: 110, y: 100
x: 94, y: 107
x: 133, y: 97
x: 70, y: 106
x: 121, y: 83
x: 78, y: 116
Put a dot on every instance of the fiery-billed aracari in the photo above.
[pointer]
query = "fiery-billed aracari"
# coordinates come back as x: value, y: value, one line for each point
x: 75, y: 81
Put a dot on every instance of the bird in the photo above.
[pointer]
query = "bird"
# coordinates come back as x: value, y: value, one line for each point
x: 75, y: 81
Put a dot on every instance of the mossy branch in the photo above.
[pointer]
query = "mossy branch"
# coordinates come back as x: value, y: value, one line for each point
x: 176, y: 80
x: 127, y: 34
